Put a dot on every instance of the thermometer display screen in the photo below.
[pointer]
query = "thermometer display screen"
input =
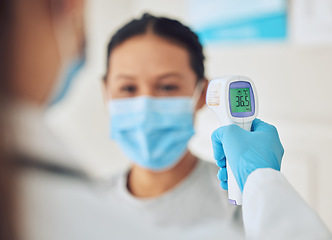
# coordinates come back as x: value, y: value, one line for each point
x: 240, y: 100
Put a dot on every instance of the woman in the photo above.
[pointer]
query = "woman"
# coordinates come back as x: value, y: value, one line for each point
x: 154, y: 85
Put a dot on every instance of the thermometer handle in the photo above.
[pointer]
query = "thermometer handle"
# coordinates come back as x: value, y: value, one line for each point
x: 246, y: 125
x: 234, y: 192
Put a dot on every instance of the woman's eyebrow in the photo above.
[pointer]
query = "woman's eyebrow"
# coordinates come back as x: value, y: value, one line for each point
x: 167, y: 75
x: 124, y: 77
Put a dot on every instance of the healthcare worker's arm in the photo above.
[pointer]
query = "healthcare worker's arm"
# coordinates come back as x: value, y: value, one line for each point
x: 271, y: 207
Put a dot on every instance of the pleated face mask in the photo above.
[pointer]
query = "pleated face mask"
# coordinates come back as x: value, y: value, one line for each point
x: 152, y: 132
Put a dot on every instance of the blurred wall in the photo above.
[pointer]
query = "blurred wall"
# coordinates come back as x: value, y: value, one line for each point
x: 294, y: 84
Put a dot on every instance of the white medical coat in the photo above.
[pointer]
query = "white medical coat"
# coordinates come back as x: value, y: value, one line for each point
x: 272, y: 209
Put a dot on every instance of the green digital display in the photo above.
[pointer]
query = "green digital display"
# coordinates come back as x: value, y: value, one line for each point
x: 240, y: 100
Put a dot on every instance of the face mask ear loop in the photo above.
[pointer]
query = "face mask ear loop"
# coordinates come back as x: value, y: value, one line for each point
x: 197, y: 93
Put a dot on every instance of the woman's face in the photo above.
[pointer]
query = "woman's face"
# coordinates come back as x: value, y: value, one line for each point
x: 149, y: 65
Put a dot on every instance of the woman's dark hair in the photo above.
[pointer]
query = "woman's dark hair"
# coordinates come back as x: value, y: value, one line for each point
x: 164, y: 27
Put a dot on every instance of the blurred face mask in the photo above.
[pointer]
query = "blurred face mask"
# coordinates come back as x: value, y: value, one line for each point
x: 153, y: 132
x: 70, y: 66
x: 68, y: 73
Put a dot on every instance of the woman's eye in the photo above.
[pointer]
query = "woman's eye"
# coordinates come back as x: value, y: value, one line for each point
x: 128, y: 89
x: 168, y: 88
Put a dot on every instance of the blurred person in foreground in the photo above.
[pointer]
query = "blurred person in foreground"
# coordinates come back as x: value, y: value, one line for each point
x: 44, y: 195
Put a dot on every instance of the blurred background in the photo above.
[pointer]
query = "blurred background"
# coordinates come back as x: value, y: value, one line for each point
x: 284, y: 46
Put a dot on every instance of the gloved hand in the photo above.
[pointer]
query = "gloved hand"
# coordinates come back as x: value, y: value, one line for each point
x: 246, y: 151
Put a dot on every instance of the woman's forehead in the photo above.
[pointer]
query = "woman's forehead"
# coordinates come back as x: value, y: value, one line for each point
x: 149, y: 52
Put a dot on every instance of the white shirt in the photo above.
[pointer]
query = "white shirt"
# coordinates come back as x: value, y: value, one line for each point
x: 196, y: 208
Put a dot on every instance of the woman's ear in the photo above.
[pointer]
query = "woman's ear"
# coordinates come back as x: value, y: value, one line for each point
x: 201, y: 100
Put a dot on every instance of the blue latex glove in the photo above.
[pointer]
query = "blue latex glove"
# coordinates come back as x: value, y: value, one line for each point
x: 246, y: 151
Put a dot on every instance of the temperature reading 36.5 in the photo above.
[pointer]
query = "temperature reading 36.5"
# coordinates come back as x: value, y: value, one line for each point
x: 240, y: 100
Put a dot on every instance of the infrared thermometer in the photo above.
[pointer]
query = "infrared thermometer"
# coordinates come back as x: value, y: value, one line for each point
x: 234, y: 100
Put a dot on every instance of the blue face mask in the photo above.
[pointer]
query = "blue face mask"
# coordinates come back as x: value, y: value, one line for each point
x: 69, y: 73
x: 70, y: 65
x: 152, y: 132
